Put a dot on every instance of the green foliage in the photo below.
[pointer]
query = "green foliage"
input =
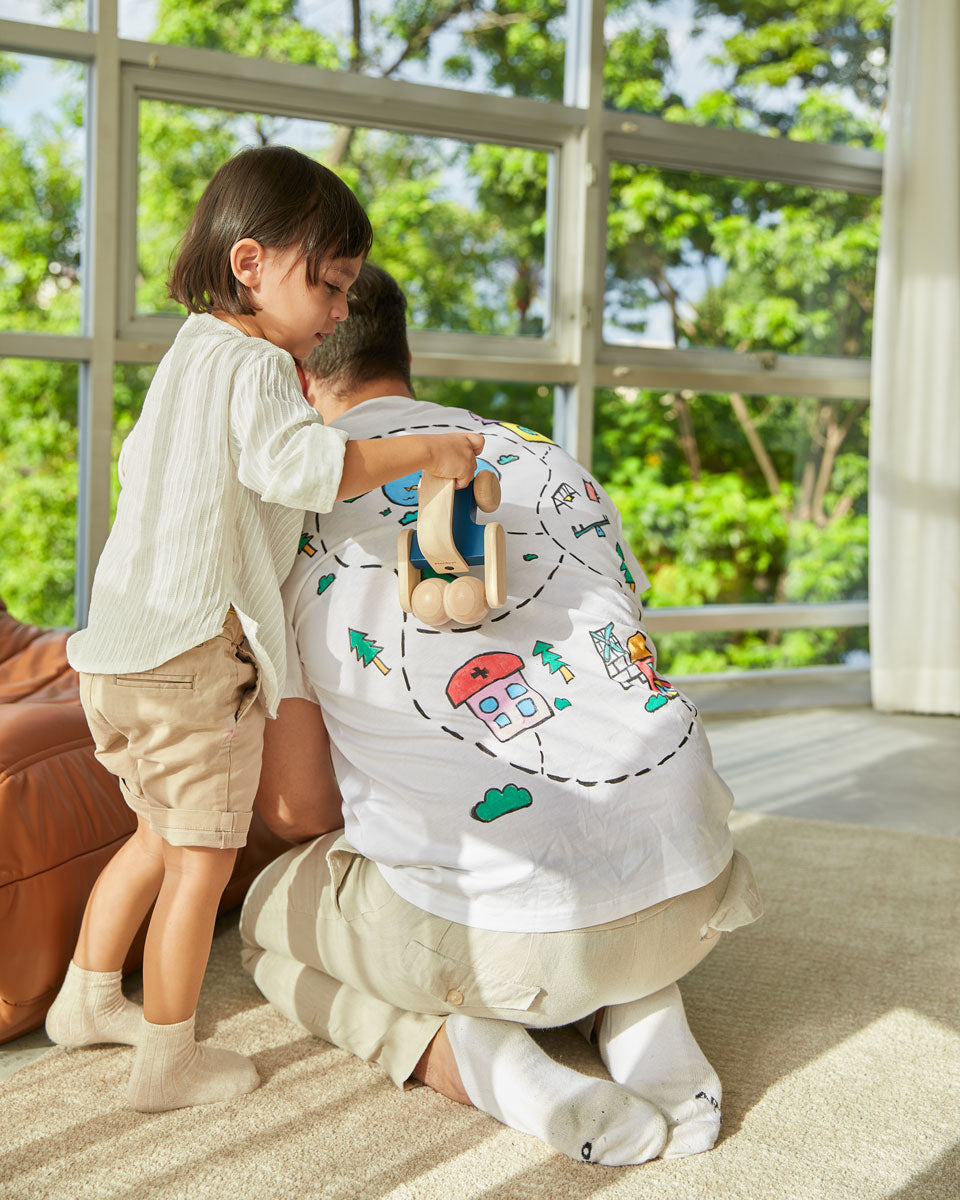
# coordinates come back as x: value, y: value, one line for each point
x: 252, y: 28
x: 834, y: 54
x: 180, y: 149
x: 38, y: 488
x: 702, y: 653
x: 40, y: 225
x: 39, y: 291
x: 637, y: 64
x: 710, y: 529
x: 726, y: 498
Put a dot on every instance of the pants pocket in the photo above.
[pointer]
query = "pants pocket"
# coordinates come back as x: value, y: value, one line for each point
x: 741, y: 903
x: 356, y: 886
x: 458, y: 986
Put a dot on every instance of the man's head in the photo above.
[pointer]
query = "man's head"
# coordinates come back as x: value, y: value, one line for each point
x: 370, y: 347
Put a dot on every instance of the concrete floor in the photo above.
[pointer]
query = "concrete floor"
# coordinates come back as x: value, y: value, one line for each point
x: 851, y: 765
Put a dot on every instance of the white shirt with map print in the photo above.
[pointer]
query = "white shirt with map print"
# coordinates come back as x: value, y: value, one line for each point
x: 533, y: 772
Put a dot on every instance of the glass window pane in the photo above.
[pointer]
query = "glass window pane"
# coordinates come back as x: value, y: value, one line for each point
x: 732, y: 499
x: 810, y: 70
x: 41, y: 163
x: 699, y: 260
x: 461, y: 226
x: 38, y: 489
x: 510, y: 47
x: 64, y: 14
x: 526, y: 404
x: 697, y: 653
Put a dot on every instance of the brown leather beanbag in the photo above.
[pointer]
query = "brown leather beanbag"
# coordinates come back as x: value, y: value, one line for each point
x: 61, y: 818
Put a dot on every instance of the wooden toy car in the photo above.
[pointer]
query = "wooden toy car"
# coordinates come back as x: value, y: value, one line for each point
x: 449, y: 541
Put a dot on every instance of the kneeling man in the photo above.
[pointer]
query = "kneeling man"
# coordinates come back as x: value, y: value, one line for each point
x: 533, y: 831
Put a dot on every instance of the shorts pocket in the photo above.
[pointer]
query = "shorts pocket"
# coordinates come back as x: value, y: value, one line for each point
x: 250, y: 676
x: 153, y: 679
x: 459, y: 986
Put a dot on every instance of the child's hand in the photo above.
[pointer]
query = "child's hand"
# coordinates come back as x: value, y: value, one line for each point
x: 453, y: 456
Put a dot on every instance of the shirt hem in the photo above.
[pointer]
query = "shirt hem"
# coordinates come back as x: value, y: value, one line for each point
x: 534, y: 919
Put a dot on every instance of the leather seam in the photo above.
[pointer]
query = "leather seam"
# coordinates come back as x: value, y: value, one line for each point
x: 64, y: 862
x: 17, y: 768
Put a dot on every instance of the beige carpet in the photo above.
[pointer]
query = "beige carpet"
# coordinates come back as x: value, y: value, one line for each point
x: 833, y: 1024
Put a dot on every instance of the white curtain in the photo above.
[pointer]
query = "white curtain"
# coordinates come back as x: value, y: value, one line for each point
x: 915, y: 396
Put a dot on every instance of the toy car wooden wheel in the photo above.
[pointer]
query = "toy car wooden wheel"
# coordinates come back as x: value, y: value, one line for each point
x: 426, y: 603
x: 495, y: 564
x: 464, y: 601
x: 486, y: 491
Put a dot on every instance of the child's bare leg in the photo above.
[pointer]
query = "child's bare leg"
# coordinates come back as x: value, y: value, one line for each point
x: 121, y: 898
x: 90, y: 1006
x: 181, y: 930
x: 171, y: 1070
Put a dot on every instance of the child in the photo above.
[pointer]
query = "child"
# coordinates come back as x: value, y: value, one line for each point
x: 184, y: 653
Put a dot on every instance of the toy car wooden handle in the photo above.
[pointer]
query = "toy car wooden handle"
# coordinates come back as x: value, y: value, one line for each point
x: 434, y: 532
x: 435, y: 522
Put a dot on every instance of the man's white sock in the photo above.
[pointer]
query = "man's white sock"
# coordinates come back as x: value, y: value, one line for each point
x: 647, y: 1047
x: 91, y: 1008
x: 506, y: 1074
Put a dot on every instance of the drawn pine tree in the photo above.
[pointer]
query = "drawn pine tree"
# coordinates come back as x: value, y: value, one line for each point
x: 367, y: 650
x: 625, y: 570
x: 552, y: 660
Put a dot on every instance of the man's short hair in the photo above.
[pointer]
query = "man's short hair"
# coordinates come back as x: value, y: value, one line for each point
x: 372, y: 343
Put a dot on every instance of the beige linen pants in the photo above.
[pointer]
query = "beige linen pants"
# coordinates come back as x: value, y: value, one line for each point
x: 337, y: 951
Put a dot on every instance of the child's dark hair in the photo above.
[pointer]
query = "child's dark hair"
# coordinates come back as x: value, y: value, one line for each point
x: 280, y: 198
x: 372, y: 343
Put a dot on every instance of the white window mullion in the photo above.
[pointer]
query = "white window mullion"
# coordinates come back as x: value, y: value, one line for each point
x: 580, y: 247
x: 101, y: 217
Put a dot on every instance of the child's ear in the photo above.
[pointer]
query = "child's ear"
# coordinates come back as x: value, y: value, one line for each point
x: 246, y: 260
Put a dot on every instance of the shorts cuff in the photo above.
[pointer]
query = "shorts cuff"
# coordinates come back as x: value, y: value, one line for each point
x: 221, y: 831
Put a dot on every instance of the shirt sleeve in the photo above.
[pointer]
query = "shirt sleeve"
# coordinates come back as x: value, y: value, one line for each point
x: 282, y: 448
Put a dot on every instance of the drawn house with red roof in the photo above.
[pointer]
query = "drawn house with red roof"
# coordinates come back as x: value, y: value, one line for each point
x: 493, y: 688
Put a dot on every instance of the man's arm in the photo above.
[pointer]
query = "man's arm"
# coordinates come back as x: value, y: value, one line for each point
x: 299, y: 798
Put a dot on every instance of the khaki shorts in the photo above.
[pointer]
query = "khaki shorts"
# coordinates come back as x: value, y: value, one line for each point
x: 185, y: 739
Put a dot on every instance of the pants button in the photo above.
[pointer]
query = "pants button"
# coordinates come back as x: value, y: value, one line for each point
x: 454, y: 996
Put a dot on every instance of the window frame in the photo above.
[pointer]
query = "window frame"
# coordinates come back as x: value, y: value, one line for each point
x: 583, y: 139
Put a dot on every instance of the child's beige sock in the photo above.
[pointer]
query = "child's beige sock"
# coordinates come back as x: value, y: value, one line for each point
x: 172, y: 1071
x: 90, y: 1008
